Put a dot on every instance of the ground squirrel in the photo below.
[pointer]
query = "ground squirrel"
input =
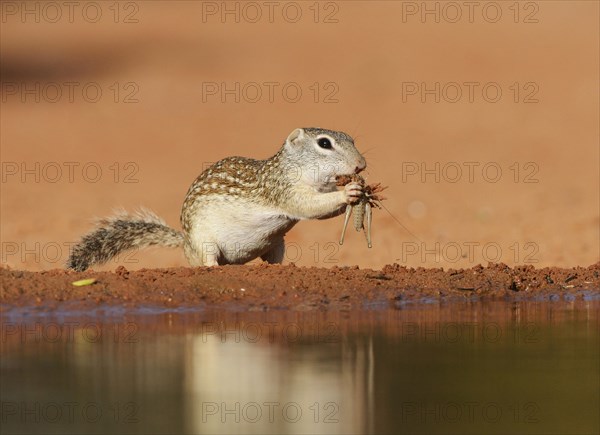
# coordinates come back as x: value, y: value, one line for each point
x: 240, y: 209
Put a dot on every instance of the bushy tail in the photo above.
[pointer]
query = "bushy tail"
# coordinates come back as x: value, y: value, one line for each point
x: 120, y: 233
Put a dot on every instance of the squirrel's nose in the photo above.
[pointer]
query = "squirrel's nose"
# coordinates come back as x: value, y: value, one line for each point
x: 362, y: 164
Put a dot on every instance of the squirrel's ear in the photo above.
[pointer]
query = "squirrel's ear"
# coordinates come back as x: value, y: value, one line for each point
x: 294, y: 137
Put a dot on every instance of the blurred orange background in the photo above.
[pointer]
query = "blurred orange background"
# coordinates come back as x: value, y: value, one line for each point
x: 415, y: 83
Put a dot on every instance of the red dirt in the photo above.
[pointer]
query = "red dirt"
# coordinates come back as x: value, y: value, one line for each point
x: 148, y: 151
x: 267, y: 287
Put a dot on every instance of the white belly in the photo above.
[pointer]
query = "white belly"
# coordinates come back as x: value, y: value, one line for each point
x: 240, y: 230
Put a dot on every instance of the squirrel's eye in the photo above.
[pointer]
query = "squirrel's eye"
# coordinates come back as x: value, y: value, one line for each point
x: 324, y: 143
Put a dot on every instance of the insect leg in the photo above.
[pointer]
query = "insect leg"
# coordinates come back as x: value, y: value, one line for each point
x: 346, y: 220
x: 369, y: 214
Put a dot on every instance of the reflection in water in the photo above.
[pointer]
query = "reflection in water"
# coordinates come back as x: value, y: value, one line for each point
x: 462, y: 368
x: 278, y: 389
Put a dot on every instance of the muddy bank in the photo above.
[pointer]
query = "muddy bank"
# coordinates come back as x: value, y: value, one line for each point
x: 266, y: 287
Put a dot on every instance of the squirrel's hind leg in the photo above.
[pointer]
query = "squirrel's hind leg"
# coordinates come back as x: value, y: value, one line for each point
x: 206, y: 255
x: 275, y: 254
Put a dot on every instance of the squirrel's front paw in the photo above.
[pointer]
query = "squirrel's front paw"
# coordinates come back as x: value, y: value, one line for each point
x: 353, y: 192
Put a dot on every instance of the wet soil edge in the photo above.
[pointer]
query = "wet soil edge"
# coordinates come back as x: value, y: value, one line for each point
x: 266, y: 287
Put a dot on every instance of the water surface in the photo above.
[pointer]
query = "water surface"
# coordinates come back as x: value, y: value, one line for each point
x: 524, y: 367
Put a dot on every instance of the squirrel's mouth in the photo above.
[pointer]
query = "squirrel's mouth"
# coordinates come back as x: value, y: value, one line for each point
x: 361, y: 166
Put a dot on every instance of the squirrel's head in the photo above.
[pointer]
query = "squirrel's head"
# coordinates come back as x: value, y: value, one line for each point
x: 321, y: 154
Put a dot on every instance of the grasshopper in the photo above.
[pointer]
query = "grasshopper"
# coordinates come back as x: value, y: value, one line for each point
x: 364, y: 208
